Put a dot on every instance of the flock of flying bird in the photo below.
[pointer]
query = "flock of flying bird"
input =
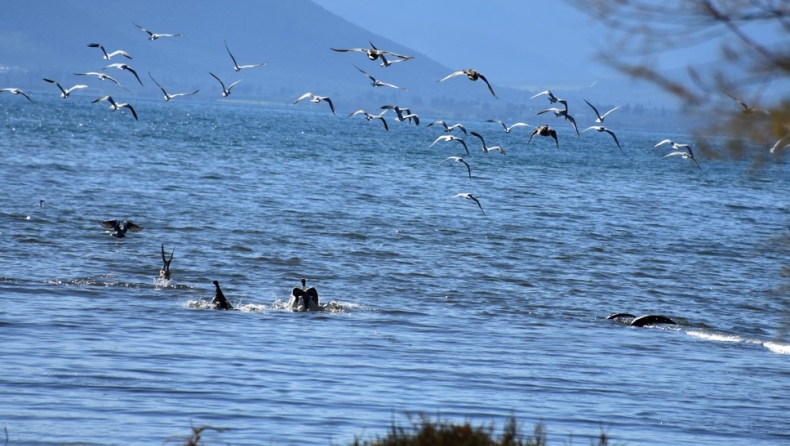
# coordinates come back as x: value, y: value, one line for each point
x: 387, y: 59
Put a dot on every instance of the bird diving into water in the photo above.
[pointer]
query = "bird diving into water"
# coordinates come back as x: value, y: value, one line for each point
x: 120, y: 227
x: 472, y: 75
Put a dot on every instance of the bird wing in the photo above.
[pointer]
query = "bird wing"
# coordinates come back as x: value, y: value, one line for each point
x: 56, y: 83
x: 236, y: 65
x: 304, y: 96
x: 383, y: 121
x: 157, y: 84
x: 594, y: 109
x: 218, y: 79
x: 254, y: 65
x: 614, y: 137
x: 363, y: 50
x: 231, y: 85
x: 134, y: 113
x: 463, y: 143
x: 489, y: 85
x: 605, y: 114
x: 133, y: 227
x: 331, y: 105
x: 666, y: 141
x: 478, y: 137
x: 110, y: 224
x: 518, y: 124
x: 453, y: 74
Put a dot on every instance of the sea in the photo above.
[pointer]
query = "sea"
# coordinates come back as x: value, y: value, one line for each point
x: 440, y: 308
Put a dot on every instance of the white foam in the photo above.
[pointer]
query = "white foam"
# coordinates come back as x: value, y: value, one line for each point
x: 778, y: 347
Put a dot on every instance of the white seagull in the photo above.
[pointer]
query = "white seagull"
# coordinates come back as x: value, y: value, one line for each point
x: 64, y: 93
x: 102, y: 77
x: 449, y: 128
x: 225, y: 91
x: 552, y: 99
x: 109, y: 56
x: 373, y: 53
x: 167, y: 95
x: 600, y: 128
x: 600, y: 116
x: 377, y: 83
x: 316, y: 99
x: 746, y: 108
x: 562, y: 113
x: 487, y: 149
x: 458, y: 159
x: 123, y: 66
x: 116, y: 105
x: 688, y: 154
x: 469, y: 196
x: 781, y: 144
x: 371, y: 117
x: 238, y: 67
x: 470, y: 74
x: 508, y: 129
x: 16, y: 91
x: 154, y: 36
x: 400, y: 116
x: 675, y: 145
x: 451, y: 138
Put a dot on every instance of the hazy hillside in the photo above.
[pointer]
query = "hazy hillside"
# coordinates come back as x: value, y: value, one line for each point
x: 49, y: 39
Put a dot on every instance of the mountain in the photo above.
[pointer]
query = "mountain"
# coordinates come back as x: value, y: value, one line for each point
x: 49, y: 39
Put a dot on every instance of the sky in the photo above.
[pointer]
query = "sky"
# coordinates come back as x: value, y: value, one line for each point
x: 492, y: 36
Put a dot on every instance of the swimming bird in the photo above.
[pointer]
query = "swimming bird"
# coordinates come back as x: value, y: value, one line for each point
x: 377, y: 83
x: 747, y: 110
x: 451, y: 138
x: 316, y: 99
x: 153, y: 36
x: 487, y: 149
x: 167, y: 95
x: 371, y: 117
x: 472, y: 75
x: 600, y: 116
x: 238, y: 67
x: 219, y: 302
x: 120, y: 227
x: 403, y: 114
x: 544, y: 130
x: 552, y: 99
x: 641, y: 321
x: 562, y: 113
x: 458, y: 159
x: 449, y: 128
x: 600, y: 128
x: 164, y: 273
x: 109, y: 56
x: 373, y: 53
x: 688, y: 154
x: 123, y: 66
x: 64, y: 93
x: 304, y: 299
x: 508, y: 129
x: 16, y: 91
x: 225, y: 91
x: 116, y: 105
x: 102, y: 77
x: 469, y: 196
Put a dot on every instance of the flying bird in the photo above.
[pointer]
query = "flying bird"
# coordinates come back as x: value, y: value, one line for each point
x: 238, y: 67
x: 544, y: 130
x: 675, y: 145
x: 469, y: 196
x: 64, y: 93
x: 472, y: 75
x: 377, y: 83
x: 487, y: 149
x: 449, y: 128
x: 316, y: 99
x: 688, y: 154
x: 120, y: 227
x: 123, y: 66
x: 373, y: 53
x: 552, y: 99
x: 747, y: 110
x: 508, y: 129
x: 153, y: 36
x: 225, y: 91
x: 600, y: 116
x: 458, y: 159
x: 781, y: 144
x: 600, y: 128
x: 562, y: 113
x: 102, y: 77
x: 387, y: 62
x: 116, y: 105
x: 451, y: 138
x: 109, y: 56
x: 16, y: 91
x: 400, y: 116
x: 167, y: 95
x: 371, y: 117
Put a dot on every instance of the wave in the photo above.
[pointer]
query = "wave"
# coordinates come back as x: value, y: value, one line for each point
x: 773, y: 346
